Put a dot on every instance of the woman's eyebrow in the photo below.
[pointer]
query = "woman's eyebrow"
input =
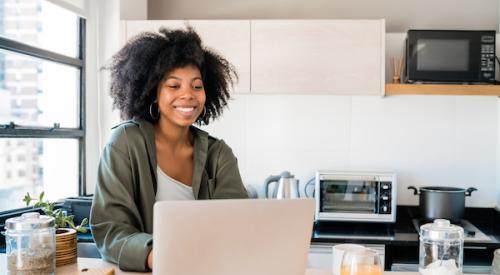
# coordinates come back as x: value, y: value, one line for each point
x: 174, y: 77
x: 178, y: 78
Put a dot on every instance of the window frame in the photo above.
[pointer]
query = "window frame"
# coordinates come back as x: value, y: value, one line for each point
x: 12, y: 130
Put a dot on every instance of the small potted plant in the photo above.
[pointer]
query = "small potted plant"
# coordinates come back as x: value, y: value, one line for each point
x: 65, y: 228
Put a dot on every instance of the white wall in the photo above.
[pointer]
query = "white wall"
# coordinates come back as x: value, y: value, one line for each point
x: 400, y: 15
x: 133, y: 9
x: 427, y: 140
x: 498, y: 155
x: 103, y: 24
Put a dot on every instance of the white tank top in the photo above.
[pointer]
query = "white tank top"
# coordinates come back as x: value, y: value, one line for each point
x: 170, y: 189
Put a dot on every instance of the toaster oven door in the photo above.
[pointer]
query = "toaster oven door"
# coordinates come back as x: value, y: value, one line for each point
x: 348, y: 196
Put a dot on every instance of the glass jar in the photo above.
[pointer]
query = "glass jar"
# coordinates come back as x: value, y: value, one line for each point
x: 441, y: 248
x: 495, y: 265
x: 31, y: 244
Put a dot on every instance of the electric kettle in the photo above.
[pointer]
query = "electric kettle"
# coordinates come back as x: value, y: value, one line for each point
x: 286, y: 187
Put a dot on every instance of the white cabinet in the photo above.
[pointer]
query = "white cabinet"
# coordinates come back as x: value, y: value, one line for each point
x: 318, y: 56
x: 345, y: 57
x: 230, y: 38
x: 320, y: 255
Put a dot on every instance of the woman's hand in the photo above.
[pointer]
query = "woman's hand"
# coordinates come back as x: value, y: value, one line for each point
x: 150, y: 259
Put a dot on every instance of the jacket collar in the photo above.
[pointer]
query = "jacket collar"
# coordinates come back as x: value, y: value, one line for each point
x: 200, y: 151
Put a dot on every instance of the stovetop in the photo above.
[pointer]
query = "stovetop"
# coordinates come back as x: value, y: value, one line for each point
x: 471, y: 232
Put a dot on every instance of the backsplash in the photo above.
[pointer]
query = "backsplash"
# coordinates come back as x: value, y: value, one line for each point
x: 427, y: 140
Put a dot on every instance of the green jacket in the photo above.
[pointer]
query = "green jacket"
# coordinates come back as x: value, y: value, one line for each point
x: 121, y: 217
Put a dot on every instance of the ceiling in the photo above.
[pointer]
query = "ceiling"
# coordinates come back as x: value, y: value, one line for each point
x: 400, y: 15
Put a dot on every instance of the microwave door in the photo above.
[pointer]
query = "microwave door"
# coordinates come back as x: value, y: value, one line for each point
x: 445, y: 59
x: 343, y: 196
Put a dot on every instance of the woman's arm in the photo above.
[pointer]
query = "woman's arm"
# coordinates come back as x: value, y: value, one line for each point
x: 228, y: 180
x: 115, y: 219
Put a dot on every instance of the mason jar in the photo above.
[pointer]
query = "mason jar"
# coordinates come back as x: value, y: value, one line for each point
x: 30, y: 244
x: 441, y: 248
x: 495, y: 265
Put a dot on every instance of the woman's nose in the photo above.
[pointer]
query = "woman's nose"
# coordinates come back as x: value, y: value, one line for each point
x: 187, y: 93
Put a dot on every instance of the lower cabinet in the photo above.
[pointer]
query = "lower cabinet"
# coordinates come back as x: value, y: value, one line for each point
x: 320, y: 255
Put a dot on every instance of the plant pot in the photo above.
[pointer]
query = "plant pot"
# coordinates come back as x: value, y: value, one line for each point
x: 65, y: 246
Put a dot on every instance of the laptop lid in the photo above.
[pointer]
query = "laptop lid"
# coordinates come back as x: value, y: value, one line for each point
x: 232, y: 237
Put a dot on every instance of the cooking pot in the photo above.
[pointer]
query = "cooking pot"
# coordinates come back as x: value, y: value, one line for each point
x: 438, y: 202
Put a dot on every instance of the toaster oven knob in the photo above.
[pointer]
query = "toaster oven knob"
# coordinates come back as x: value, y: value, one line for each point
x: 385, y: 209
x: 385, y: 198
x: 385, y: 186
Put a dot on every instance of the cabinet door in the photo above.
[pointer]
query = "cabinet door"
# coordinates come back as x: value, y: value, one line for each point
x: 230, y: 38
x: 318, y: 56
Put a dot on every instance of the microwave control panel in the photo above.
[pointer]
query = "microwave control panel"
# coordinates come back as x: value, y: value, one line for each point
x: 487, y: 70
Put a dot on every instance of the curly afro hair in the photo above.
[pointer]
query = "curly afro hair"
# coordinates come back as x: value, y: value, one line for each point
x: 140, y: 66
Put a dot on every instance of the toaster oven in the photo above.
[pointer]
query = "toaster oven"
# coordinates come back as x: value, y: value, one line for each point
x: 355, y: 196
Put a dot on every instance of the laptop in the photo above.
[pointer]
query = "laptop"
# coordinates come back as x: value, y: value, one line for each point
x: 232, y: 237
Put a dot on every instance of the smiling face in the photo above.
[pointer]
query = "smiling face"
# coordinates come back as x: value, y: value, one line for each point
x: 181, y: 96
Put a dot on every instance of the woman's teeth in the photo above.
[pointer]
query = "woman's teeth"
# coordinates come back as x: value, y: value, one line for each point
x: 185, y: 109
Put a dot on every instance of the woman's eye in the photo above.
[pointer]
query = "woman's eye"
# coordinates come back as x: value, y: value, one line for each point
x: 198, y: 87
x: 173, y: 86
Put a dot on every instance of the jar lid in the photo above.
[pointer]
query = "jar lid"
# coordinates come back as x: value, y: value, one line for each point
x: 441, y: 229
x: 29, y: 221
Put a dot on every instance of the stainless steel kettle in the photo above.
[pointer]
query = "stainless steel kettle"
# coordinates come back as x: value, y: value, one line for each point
x: 286, y: 187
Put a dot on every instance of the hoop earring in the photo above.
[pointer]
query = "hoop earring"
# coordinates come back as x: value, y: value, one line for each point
x: 151, y: 112
x: 204, y: 111
x: 200, y: 118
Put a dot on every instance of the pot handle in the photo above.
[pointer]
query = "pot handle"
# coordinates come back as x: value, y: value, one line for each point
x: 469, y: 191
x: 415, y: 190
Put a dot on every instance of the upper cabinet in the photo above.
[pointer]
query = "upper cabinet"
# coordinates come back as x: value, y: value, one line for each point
x: 345, y: 57
x: 318, y: 56
x: 230, y: 38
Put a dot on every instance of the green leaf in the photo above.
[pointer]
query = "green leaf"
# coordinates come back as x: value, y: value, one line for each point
x: 84, y: 222
x: 27, y: 198
x: 81, y: 229
x: 61, y: 218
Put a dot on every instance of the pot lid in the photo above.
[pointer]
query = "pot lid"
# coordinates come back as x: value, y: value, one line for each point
x: 442, y: 189
x: 441, y: 230
x: 29, y: 221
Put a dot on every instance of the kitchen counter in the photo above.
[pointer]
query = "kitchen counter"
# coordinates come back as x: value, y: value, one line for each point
x: 90, y: 263
x: 400, y: 241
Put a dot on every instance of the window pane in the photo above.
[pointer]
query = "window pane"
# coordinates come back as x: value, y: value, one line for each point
x: 36, y: 165
x: 41, y: 24
x: 34, y: 92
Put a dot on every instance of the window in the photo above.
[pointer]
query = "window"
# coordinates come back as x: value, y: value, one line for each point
x: 42, y: 119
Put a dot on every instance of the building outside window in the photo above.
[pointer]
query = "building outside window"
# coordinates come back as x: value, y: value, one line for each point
x: 42, y: 129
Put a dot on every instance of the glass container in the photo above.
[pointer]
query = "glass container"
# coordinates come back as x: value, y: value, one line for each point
x: 31, y: 244
x: 495, y: 265
x: 441, y: 248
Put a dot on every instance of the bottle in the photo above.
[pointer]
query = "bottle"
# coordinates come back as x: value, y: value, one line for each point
x: 441, y: 248
x: 30, y: 244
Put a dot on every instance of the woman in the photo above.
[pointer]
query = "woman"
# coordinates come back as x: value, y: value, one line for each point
x: 162, y: 83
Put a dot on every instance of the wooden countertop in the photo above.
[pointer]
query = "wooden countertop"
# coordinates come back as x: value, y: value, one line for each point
x: 98, y: 264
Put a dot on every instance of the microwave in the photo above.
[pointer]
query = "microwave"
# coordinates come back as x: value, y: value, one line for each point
x: 355, y: 196
x: 450, y: 56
